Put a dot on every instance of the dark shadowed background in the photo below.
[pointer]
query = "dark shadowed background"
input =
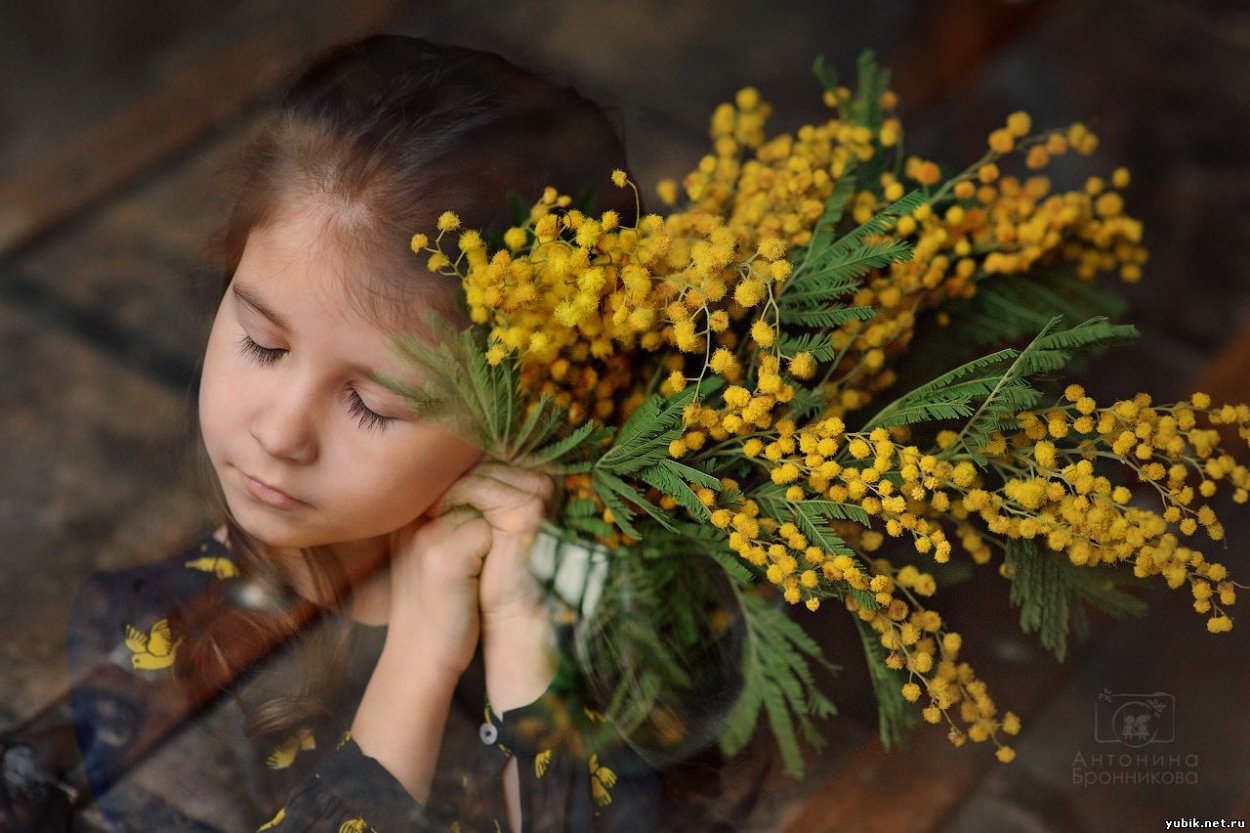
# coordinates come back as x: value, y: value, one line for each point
x: 116, y: 115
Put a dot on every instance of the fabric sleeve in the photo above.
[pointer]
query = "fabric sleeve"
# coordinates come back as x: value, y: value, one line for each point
x: 576, y: 772
x: 126, y: 712
x: 350, y: 792
x: 129, y: 719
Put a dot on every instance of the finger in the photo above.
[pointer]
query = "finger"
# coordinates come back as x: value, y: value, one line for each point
x: 478, y: 491
x: 502, y: 504
x: 527, y: 480
x: 523, y: 480
x: 462, y: 530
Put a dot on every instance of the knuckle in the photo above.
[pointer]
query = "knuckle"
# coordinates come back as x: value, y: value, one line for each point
x: 527, y: 506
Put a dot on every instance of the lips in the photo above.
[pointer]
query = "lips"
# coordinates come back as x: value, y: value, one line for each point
x: 269, y: 495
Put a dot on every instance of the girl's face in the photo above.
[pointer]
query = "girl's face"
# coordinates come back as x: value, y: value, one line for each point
x: 308, y: 449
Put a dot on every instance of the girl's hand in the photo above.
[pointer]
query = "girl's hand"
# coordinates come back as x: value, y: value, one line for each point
x: 513, y: 502
x: 435, y: 567
x: 465, y: 561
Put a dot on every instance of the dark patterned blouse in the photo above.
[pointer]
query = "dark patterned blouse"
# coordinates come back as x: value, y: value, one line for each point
x: 207, y: 775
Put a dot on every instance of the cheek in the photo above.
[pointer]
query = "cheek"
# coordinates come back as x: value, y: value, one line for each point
x: 222, y: 388
x: 210, y: 395
x: 431, y: 464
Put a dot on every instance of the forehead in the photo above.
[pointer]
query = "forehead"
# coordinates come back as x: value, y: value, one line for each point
x: 317, y: 290
x: 355, y: 266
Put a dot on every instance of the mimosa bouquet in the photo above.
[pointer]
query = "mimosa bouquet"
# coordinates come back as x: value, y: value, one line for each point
x: 833, y: 373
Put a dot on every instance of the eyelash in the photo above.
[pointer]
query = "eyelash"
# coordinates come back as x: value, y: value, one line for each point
x: 265, y: 356
x: 262, y: 355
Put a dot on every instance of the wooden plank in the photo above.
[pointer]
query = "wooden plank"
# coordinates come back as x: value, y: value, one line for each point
x: 198, y: 96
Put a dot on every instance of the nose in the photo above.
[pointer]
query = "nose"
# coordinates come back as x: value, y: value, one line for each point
x: 284, y: 424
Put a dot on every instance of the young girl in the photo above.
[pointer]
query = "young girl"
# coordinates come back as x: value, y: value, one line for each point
x: 365, y: 603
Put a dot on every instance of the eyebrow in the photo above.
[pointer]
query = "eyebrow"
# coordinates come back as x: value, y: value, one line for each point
x: 250, y: 298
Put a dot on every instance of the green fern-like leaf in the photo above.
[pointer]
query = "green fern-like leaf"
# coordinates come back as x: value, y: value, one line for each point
x: 871, y: 84
x: 831, y: 215
x: 815, y: 343
x: 484, y: 404
x: 1054, y: 349
x: 825, y: 317
x: 777, y: 661
x: 1006, y: 309
x: 895, y: 716
x: 1051, y: 350
x: 837, y: 274
x: 624, y: 500
x: 643, y: 440
x: 668, y: 479
x: 945, y: 397
x: 825, y: 73
x: 1010, y: 394
x: 1051, y: 593
x: 807, y: 401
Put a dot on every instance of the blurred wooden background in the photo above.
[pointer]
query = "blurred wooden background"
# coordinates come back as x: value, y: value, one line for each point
x: 116, y: 115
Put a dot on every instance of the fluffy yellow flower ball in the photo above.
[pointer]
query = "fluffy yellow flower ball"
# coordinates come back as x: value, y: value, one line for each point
x: 802, y: 365
x: 1002, y: 141
x: 1019, y: 123
x: 763, y: 333
x: 750, y: 292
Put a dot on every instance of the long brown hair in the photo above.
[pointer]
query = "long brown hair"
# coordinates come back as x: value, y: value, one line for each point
x: 384, y: 133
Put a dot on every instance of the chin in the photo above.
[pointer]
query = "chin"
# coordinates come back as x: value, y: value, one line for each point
x: 269, y: 526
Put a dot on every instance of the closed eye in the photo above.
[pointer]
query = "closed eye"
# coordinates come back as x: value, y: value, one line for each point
x: 261, y: 355
x: 369, y: 420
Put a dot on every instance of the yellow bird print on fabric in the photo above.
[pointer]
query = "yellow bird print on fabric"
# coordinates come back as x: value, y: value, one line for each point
x: 283, y: 755
x: 602, y: 780
x: 154, y: 649
x: 273, y: 822
x: 347, y: 735
x: 357, y: 825
x: 223, y: 567
x: 540, y: 763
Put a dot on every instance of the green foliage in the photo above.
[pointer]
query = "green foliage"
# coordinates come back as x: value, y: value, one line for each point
x: 1005, y: 310
x: 809, y: 303
x: 815, y: 343
x: 483, y: 403
x: 807, y: 401
x: 1051, y: 593
x: 812, y: 517
x: 830, y: 269
x: 895, y: 716
x: 1007, y: 379
x: 831, y: 216
x: 871, y: 84
x: 945, y: 397
x: 640, y: 450
x: 825, y: 72
x: 776, y: 667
